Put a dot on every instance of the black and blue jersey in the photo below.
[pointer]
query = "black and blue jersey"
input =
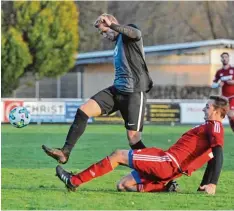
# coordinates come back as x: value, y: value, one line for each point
x: 131, y: 73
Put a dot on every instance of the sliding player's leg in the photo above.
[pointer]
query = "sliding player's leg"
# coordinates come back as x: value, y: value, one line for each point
x: 127, y: 183
x: 136, y: 182
x: 152, y: 162
x: 106, y: 165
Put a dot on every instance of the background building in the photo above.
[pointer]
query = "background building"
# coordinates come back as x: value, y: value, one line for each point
x: 179, y: 71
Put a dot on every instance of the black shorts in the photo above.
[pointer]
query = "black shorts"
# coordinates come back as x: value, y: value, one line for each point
x: 131, y: 106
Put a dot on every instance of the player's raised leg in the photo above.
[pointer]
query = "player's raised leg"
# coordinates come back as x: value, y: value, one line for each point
x: 101, y: 103
x: 106, y: 165
x: 89, y: 109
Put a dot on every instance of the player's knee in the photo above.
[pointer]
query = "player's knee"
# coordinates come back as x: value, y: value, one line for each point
x: 80, y: 116
x: 119, y: 157
x: 118, y: 154
x: 83, y: 108
x: 123, y: 185
x: 120, y: 186
x: 91, y: 108
x: 133, y: 136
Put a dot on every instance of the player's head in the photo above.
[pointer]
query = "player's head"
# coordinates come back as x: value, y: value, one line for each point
x: 216, y: 108
x: 103, y: 29
x: 225, y: 58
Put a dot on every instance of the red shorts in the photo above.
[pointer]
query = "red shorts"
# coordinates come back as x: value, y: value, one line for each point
x: 153, y: 166
x: 231, y: 103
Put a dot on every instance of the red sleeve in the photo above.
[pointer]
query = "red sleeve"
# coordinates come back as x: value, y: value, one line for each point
x: 215, y: 133
x: 217, y: 77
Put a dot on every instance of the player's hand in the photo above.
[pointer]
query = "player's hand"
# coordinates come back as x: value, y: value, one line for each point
x: 221, y: 84
x: 105, y: 20
x: 210, y: 188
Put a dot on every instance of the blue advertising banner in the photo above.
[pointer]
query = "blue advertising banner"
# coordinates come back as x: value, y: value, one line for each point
x: 70, y: 110
x: 48, y: 118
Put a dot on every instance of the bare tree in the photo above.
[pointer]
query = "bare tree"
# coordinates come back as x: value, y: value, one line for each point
x: 161, y: 22
x: 89, y: 38
x: 207, y: 20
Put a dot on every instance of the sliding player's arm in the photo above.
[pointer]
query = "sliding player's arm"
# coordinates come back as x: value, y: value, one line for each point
x: 206, y: 177
x: 214, y: 167
x: 212, y: 172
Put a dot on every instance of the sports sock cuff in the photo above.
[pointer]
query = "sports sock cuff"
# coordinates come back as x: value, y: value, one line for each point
x: 75, y: 180
x: 138, y: 145
x: 81, y: 114
x: 108, y: 161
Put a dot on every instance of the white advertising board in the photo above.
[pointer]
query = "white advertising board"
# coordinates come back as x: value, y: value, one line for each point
x: 191, y: 113
x: 46, y: 111
x: 45, y: 108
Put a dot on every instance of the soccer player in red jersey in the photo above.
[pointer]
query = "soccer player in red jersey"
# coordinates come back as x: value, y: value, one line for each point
x: 224, y: 78
x: 154, y: 168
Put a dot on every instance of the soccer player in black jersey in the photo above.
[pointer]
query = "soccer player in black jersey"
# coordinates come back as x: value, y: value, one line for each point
x: 127, y: 94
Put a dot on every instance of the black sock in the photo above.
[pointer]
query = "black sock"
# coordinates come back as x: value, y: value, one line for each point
x: 138, y: 145
x: 76, y: 130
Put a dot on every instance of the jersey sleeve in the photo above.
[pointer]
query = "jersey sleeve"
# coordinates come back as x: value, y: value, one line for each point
x: 129, y: 31
x: 215, y: 133
x: 217, y: 77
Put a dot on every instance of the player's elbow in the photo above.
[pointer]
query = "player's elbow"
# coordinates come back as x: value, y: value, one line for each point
x: 138, y: 34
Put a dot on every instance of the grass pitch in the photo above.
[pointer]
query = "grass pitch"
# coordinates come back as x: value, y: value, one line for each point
x: 29, y: 182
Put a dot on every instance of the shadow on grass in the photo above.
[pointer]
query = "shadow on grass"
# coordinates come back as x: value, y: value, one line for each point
x: 53, y: 188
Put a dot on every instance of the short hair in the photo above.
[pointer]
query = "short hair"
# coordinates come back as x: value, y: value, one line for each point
x: 220, y: 103
x: 224, y: 54
x: 110, y: 17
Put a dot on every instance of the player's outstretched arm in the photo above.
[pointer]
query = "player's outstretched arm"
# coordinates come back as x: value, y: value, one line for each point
x: 206, y: 177
x: 213, y: 170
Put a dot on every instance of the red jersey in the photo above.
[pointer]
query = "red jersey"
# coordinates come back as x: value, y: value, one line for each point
x: 196, y: 142
x: 227, y: 90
